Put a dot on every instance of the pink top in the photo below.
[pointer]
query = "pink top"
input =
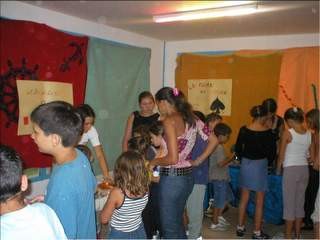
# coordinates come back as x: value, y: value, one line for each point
x: 186, y: 143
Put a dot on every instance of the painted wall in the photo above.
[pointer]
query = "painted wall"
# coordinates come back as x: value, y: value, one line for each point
x: 22, y: 11
x: 173, y: 48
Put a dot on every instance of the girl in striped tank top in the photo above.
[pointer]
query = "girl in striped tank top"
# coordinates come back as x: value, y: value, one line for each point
x: 128, y: 199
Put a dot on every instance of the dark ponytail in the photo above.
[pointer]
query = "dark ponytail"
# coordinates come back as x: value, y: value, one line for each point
x: 176, y: 98
x: 258, y: 111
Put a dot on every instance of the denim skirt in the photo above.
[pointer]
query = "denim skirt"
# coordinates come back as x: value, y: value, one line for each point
x: 254, y: 174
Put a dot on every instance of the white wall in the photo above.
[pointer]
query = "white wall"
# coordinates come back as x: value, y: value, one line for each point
x: 262, y: 42
x: 22, y: 11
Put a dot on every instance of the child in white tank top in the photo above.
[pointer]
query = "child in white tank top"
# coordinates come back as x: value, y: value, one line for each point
x: 293, y: 156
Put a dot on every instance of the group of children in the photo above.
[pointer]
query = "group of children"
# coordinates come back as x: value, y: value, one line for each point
x: 132, y: 208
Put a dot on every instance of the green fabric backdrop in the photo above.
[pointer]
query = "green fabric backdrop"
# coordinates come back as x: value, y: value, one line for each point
x: 117, y: 73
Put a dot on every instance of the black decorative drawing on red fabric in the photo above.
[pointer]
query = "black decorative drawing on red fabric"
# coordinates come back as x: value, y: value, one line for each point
x: 9, y: 101
x: 76, y: 56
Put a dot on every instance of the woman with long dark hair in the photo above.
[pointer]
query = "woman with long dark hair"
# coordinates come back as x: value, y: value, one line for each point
x: 181, y: 127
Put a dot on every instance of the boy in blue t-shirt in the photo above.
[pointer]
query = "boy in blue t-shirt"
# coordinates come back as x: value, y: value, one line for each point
x: 70, y: 192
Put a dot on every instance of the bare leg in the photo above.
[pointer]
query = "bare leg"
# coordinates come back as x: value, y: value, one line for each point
x: 243, y: 205
x: 298, y: 223
x: 259, y: 211
x: 316, y: 230
x: 216, y: 214
x: 288, y: 231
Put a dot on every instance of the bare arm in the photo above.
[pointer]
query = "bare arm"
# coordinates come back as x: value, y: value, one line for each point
x: 212, y: 145
x: 127, y: 133
x: 114, y: 200
x: 285, y: 139
x: 102, y: 160
x: 171, y: 139
x: 224, y: 162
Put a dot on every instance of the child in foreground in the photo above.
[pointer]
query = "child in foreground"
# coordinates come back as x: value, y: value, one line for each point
x: 19, y: 220
x: 70, y: 192
x: 128, y: 198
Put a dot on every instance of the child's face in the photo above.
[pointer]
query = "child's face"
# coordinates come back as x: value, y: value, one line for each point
x: 155, y: 140
x: 162, y: 107
x: 88, y: 122
x: 289, y: 123
x: 213, y: 123
x: 223, y: 138
x: 43, y: 142
x: 146, y: 104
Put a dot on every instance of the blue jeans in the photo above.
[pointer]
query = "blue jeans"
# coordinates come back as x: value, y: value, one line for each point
x: 222, y: 193
x: 173, y: 194
x: 136, y: 234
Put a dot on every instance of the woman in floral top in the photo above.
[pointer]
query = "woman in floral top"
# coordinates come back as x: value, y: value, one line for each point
x: 176, y: 182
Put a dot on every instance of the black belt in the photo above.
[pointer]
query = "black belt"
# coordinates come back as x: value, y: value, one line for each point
x: 175, y: 171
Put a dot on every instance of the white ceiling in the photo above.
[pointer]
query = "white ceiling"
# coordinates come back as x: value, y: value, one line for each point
x: 279, y: 17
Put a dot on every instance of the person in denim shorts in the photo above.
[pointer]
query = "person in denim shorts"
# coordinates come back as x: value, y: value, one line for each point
x: 219, y: 176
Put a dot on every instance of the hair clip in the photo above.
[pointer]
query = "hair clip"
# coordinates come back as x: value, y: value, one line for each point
x: 175, y: 91
x: 295, y: 109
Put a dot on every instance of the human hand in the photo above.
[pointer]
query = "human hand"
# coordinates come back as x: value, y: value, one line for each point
x: 38, y: 198
x: 108, y: 179
x: 278, y: 171
x: 150, y: 167
x: 194, y: 163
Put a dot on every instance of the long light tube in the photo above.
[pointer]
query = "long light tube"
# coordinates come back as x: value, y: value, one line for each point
x: 207, y: 13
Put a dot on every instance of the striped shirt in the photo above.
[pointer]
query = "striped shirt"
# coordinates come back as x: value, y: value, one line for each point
x: 127, y: 217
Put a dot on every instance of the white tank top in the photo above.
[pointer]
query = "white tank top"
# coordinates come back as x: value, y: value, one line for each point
x: 297, y: 150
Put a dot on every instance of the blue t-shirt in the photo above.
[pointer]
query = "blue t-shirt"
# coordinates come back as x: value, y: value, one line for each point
x: 70, y: 194
x: 200, y: 173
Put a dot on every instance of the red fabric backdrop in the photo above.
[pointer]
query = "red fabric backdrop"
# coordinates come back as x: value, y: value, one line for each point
x: 35, y: 51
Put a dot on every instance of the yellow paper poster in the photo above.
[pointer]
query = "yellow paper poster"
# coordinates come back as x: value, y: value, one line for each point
x: 210, y: 95
x: 33, y: 93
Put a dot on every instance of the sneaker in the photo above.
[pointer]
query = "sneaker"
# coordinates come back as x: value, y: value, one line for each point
x: 240, y: 231
x: 262, y: 235
x: 209, y: 212
x: 223, y: 221
x: 217, y: 227
x: 279, y: 235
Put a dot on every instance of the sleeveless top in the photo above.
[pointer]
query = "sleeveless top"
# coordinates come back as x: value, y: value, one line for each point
x: 187, y: 141
x: 297, y: 150
x: 141, y: 120
x: 127, y: 217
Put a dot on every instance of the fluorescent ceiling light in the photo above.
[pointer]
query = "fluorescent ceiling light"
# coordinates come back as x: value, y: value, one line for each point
x: 208, y: 13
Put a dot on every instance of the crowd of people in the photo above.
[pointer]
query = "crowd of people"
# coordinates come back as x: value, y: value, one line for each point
x: 161, y: 176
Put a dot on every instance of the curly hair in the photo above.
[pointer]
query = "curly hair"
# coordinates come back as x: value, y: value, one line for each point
x: 131, y: 174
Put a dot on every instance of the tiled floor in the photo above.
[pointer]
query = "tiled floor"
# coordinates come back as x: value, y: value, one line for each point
x: 231, y: 215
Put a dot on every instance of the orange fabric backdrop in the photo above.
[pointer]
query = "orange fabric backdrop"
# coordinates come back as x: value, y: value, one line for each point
x: 254, y: 77
x: 299, y: 70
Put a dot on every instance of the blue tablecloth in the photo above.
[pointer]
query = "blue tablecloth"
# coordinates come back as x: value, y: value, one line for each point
x: 273, y: 199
